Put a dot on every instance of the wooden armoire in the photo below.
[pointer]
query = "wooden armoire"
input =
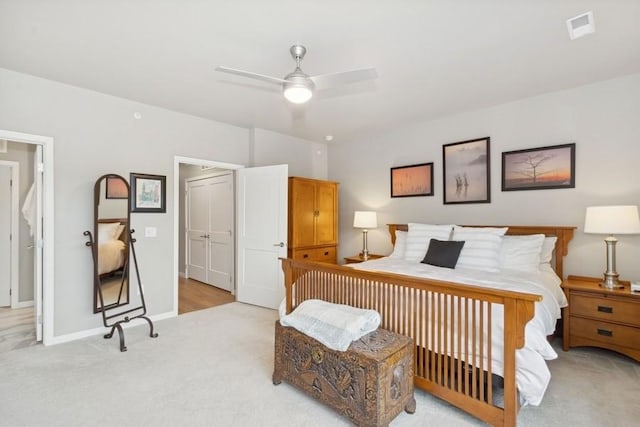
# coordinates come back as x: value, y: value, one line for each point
x: 313, y: 220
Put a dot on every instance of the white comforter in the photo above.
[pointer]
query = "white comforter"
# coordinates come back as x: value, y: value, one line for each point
x: 532, y: 373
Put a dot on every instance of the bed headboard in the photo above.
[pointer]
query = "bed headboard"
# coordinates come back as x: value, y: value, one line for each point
x: 563, y: 233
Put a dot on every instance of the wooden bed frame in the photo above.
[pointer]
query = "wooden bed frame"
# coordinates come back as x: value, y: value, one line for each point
x: 413, y: 306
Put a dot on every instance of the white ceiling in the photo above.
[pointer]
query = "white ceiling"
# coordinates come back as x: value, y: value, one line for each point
x: 434, y: 58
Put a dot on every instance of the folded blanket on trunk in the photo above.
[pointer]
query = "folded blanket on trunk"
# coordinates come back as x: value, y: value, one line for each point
x: 334, y: 325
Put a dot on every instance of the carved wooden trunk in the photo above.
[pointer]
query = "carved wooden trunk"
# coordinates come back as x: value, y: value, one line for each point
x: 370, y: 383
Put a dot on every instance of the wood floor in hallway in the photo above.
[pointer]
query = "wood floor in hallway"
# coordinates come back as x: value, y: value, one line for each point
x: 17, y: 328
x: 194, y: 295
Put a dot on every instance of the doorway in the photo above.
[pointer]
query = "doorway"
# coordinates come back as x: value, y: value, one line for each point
x: 260, y: 227
x: 205, y: 234
x: 35, y: 258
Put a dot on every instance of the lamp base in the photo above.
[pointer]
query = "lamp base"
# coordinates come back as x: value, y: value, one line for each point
x: 611, y: 281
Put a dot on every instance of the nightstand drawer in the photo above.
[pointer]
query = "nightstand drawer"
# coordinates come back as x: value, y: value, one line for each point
x: 605, y: 332
x: 605, y: 308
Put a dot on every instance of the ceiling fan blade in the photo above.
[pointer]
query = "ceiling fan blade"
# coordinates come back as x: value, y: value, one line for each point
x: 251, y: 75
x: 324, y: 81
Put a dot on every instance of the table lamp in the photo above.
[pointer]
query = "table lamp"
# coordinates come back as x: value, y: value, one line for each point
x: 611, y: 220
x: 365, y: 220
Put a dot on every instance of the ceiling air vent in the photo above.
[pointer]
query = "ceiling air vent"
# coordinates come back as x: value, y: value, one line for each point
x: 580, y: 25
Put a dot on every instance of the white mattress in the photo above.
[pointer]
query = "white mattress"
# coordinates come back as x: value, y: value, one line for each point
x: 532, y: 373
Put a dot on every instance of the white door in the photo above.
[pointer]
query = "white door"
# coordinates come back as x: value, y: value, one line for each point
x: 6, y: 208
x: 210, y: 226
x: 220, y: 235
x: 261, y: 234
x: 38, y: 238
x: 197, y: 227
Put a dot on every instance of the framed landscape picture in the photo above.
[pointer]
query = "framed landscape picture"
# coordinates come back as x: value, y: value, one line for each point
x: 466, y: 172
x: 539, y: 168
x: 148, y: 193
x: 412, y: 180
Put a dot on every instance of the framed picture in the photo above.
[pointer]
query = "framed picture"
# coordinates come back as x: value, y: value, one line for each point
x: 116, y: 188
x: 539, y: 168
x: 148, y: 193
x: 466, y: 172
x: 412, y: 180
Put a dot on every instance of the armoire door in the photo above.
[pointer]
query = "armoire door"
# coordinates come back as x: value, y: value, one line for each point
x: 326, y: 207
x: 302, y: 200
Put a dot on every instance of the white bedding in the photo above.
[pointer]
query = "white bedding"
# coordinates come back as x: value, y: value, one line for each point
x: 532, y: 373
x: 334, y: 325
x: 110, y: 256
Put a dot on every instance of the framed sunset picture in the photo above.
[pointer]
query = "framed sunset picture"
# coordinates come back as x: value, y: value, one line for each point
x: 412, y: 180
x: 539, y: 168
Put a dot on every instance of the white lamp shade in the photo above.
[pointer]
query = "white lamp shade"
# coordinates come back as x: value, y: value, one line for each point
x: 365, y: 219
x: 612, y: 220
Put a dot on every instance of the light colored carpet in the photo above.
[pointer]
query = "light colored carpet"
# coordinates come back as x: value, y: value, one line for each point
x: 213, y: 368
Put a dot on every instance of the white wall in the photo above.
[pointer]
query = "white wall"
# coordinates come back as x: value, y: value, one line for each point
x: 602, y: 119
x: 305, y: 158
x: 23, y: 154
x: 96, y: 134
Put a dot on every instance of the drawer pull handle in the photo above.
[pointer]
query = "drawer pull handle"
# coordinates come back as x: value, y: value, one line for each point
x: 326, y: 253
x: 305, y: 256
x: 605, y: 332
x: 605, y: 309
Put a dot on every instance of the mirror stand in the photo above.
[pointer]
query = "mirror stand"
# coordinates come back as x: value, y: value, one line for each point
x: 115, y: 320
x: 112, y: 248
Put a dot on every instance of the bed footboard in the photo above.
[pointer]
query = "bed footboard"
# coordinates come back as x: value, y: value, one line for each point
x: 451, y: 324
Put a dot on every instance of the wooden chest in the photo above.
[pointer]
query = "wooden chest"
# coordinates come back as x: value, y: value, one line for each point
x: 370, y: 383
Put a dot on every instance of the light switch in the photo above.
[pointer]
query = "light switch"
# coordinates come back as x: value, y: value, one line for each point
x: 150, y: 232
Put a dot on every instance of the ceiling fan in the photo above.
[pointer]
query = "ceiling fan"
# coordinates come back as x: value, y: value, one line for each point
x: 298, y: 87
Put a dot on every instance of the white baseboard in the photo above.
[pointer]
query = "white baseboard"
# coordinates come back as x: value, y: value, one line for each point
x: 23, y: 304
x: 182, y: 275
x: 102, y: 330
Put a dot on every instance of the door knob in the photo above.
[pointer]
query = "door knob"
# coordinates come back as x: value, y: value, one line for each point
x: 281, y: 244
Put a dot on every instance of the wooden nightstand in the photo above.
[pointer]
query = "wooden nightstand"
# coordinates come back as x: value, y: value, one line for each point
x: 599, y: 317
x: 358, y: 258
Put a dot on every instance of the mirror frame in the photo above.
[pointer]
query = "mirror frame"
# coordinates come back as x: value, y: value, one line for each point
x: 98, y: 302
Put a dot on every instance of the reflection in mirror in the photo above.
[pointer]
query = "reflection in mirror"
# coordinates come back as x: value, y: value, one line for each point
x: 111, y: 234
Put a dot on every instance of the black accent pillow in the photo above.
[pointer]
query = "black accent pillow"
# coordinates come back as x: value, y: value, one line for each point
x: 443, y: 253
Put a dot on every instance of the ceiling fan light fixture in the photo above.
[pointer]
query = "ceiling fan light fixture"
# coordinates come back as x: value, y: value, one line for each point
x: 298, y: 87
x: 297, y: 94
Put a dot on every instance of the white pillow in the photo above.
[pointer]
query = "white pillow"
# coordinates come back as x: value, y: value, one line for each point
x: 119, y: 231
x: 107, y: 231
x: 400, y: 245
x: 481, y: 250
x: 419, y: 236
x: 546, y: 253
x: 521, y: 252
